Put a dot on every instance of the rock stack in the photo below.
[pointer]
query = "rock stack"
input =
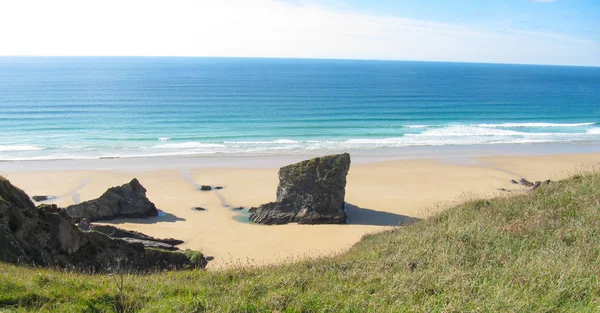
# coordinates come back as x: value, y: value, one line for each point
x: 309, y: 192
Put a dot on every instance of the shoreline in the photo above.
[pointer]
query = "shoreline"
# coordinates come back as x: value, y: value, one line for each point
x: 451, y: 154
x: 380, y: 194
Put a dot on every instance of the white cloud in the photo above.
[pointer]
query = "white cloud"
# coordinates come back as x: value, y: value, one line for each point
x: 263, y: 28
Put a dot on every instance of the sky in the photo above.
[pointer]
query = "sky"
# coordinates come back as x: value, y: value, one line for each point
x: 562, y: 32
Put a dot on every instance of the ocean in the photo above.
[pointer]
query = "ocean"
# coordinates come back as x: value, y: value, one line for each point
x: 107, y: 107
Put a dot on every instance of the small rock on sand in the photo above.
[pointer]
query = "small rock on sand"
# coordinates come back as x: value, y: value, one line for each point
x: 525, y: 182
x: 40, y: 198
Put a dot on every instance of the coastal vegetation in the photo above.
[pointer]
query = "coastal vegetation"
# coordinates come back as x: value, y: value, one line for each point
x: 532, y: 252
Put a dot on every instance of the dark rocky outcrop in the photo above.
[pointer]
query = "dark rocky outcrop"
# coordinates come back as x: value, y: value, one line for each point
x: 128, y: 200
x: 525, y: 182
x: 46, y: 236
x: 40, y: 198
x: 84, y: 224
x: 152, y: 244
x: 198, y: 208
x: 115, y: 232
x: 538, y: 184
x: 309, y: 192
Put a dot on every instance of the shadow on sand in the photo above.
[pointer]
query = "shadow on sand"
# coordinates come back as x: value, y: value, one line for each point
x: 162, y: 217
x: 361, y: 216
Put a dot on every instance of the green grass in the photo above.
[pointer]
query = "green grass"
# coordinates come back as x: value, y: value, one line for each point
x: 537, y: 252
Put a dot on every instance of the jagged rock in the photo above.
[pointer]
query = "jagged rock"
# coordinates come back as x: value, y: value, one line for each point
x: 85, y: 224
x: 152, y: 244
x: 33, y: 235
x: 40, y: 198
x: 238, y: 208
x: 205, y: 188
x: 538, y: 184
x: 514, y: 181
x: 115, y: 232
x: 42, y: 236
x: 218, y: 187
x: 197, y: 208
x: 309, y: 192
x: 128, y: 200
x: 525, y: 182
x: 252, y: 209
x: 52, y: 208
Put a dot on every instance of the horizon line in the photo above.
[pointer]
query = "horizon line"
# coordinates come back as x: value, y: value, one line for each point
x: 289, y: 58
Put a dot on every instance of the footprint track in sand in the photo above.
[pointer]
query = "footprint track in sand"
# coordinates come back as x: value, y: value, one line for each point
x: 73, y: 193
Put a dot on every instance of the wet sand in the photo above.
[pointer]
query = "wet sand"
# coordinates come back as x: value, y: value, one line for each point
x: 379, y: 194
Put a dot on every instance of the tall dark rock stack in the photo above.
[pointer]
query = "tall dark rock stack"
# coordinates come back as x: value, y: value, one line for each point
x: 309, y: 192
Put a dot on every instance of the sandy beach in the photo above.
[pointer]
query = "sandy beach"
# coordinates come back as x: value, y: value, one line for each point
x: 379, y: 194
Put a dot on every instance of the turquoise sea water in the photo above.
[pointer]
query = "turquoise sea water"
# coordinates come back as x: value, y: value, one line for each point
x: 64, y: 108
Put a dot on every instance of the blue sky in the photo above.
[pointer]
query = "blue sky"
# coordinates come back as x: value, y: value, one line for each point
x: 580, y: 18
x: 565, y: 32
x: 571, y: 17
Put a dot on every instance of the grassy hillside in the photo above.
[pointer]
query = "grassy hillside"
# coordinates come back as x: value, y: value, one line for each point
x: 538, y: 252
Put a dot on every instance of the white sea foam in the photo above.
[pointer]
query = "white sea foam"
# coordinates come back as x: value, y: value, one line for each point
x: 524, y: 125
x: 274, y: 142
x: 422, y: 135
x: 285, y: 141
x: 50, y: 157
x: 464, y: 130
x: 417, y: 126
x: 4, y: 148
x: 461, y: 135
x: 164, y: 138
x: 593, y: 131
x: 248, y: 142
x: 189, y: 145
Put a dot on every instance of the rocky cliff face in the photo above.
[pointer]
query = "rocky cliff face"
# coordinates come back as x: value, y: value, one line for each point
x: 309, y: 192
x: 128, y: 200
x: 46, y: 236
